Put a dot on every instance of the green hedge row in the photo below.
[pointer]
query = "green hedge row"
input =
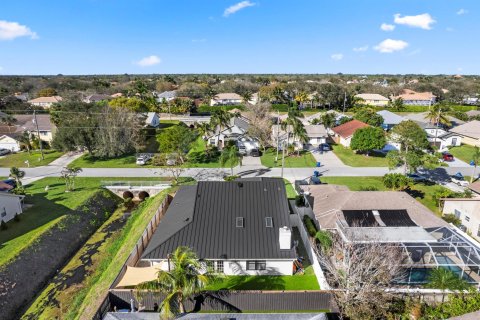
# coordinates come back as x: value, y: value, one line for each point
x: 310, y: 225
x: 206, y: 108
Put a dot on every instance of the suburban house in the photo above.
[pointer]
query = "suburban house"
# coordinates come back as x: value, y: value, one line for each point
x: 423, y: 117
x: 238, y: 228
x: 470, y: 132
x: 440, y: 137
x: 390, y: 119
x: 467, y: 210
x: 393, y: 217
x: 226, y: 99
x: 343, y: 133
x: 254, y: 99
x: 167, y: 95
x: 413, y: 98
x: 45, y: 102
x: 25, y: 122
x: 473, y: 101
x: 316, y: 134
x: 9, y: 142
x: 234, y: 132
x: 152, y: 120
x: 93, y: 98
x: 372, y: 99
x: 10, y: 205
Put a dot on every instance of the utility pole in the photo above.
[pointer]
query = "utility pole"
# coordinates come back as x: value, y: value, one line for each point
x: 344, y: 102
x: 38, y: 133
x: 283, y: 157
x: 278, y: 133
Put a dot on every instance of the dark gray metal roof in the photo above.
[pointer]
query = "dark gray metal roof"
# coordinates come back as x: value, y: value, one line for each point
x: 241, y: 122
x: 211, y: 231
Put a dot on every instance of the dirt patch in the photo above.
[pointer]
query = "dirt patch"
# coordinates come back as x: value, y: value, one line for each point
x: 23, y: 278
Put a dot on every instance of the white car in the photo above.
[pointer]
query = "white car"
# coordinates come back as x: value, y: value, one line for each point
x: 141, y: 161
x: 459, y: 180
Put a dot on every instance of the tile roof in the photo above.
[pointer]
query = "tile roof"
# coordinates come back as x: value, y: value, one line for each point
x: 470, y: 129
x: 475, y: 187
x: 408, y: 94
x: 228, y: 96
x: 371, y: 96
x: 348, y: 129
x: 52, y: 99
x: 329, y: 201
x: 203, y: 217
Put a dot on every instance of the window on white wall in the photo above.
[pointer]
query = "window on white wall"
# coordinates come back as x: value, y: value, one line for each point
x: 220, y: 268
x: 256, y: 265
x: 467, y: 218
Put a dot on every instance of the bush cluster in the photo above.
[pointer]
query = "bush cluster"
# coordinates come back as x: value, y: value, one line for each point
x: 310, y: 225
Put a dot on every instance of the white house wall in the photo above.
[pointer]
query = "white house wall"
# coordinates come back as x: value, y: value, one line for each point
x: 10, y: 144
x: 9, y: 206
x: 468, y: 212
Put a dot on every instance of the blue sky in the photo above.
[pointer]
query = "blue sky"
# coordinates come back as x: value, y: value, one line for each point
x: 235, y: 36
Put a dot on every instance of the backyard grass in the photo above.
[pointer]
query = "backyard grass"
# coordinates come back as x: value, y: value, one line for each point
x: 350, y: 158
x: 422, y: 192
x: 35, y: 159
x: 307, y: 281
x: 464, y: 152
x: 47, y: 208
x: 87, y: 161
x: 111, y: 247
x: 291, y: 193
x: 305, y: 160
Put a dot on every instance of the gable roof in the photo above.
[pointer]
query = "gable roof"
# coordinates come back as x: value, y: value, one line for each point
x: 96, y: 97
x: 390, y: 117
x: 167, y: 94
x: 408, y: 94
x: 203, y: 217
x: 227, y: 96
x: 371, y: 96
x: 52, y: 99
x: 470, y: 129
x: 316, y: 130
x: 348, y: 129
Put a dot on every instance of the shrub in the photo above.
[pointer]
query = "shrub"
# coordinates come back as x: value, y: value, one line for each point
x: 142, y: 195
x: 325, y: 239
x: 230, y: 178
x: 368, y: 188
x: 299, y: 200
x: 16, y: 218
x: 310, y: 225
x: 127, y: 195
x: 3, y: 225
x: 451, y: 218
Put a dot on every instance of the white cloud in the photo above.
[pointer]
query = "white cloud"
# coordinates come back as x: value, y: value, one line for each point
x: 149, y: 61
x: 360, y: 49
x: 237, y: 7
x: 199, y: 40
x: 12, y: 30
x: 390, y: 45
x: 423, y: 21
x: 387, y: 27
x: 337, y: 56
x: 462, y: 12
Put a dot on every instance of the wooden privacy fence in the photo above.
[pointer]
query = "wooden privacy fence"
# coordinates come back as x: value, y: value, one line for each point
x: 136, y: 253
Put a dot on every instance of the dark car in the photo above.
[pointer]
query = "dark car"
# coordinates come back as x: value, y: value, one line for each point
x: 255, y: 153
x: 416, y: 177
x: 324, y: 147
x: 448, y: 157
x: 4, y: 151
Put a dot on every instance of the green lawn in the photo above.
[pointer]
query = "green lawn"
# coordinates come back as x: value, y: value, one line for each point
x: 305, y: 160
x: 47, y: 208
x: 35, y: 159
x: 464, y: 152
x: 291, y: 193
x: 422, y: 192
x: 307, y: 281
x: 350, y: 158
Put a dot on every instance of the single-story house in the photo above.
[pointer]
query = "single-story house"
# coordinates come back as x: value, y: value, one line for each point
x: 93, y: 98
x: 470, y: 132
x: 226, y: 99
x: 45, y: 102
x: 390, y: 119
x: 9, y: 142
x: 234, y: 132
x: 373, y: 99
x: 10, y: 205
x: 167, y: 95
x: 473, y: 101
x: 467, y: 210
x: 26, y: 122
x: 411, y: 97
x: 440, y: 137
x: 343, y: 133
x: 152, y: 120
x: 316, y: 133
x: 240, y: 227
x: 423, y: 117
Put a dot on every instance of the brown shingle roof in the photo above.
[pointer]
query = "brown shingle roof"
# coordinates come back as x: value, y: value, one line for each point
x: 348, y: 129
x: 475, y: 187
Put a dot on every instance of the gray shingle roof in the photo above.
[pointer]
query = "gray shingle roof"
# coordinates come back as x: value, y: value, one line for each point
x: 203, y: 218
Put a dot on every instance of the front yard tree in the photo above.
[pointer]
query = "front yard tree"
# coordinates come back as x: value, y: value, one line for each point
x: 203, y: 129
x: 368, y: 116
x: 328, y: 119
x: 396, y: 181
x: 412, y: 140
x: 361, y: 273
x: 396, y: 105
x: 367, y: 139
x: 69, y: 175
x: 475, y: 161
x: 176, y: 140
x: 231, y: 156
x: 184, y: 279
x: 17, y: 175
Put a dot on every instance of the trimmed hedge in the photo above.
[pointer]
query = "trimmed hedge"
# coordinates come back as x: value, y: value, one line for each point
x: 310, y: 225
x: 206, y: 108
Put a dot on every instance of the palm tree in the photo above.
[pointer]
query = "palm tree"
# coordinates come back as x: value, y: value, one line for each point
x: 204, y: 129
x: 25, y: 140
x: 185, y: 278
x: 438, y: 115
x: 292, y: 122
x: 17, y: 174
x: 301, y: 97
x: 210, y: 94
x: 246, y: 97
x: 475, y: 162
x: 230, y: 155
x: 328, y: 120
x: 445, y: 279
x: 221, y: 119
x: 300, y: 133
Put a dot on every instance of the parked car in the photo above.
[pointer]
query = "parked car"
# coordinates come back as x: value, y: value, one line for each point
x: 458, y: 179
x: 4, y: 152
x: 143, y: 158
x: 448, y: 157
x: 417, y: 177
x: 324, y: 147
x: 255, y: 153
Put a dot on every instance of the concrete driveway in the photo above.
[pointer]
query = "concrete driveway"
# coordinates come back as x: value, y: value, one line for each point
x: 328, y: 159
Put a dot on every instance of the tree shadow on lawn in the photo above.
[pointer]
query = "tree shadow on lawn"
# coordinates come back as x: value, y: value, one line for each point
x: 415, y: 193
